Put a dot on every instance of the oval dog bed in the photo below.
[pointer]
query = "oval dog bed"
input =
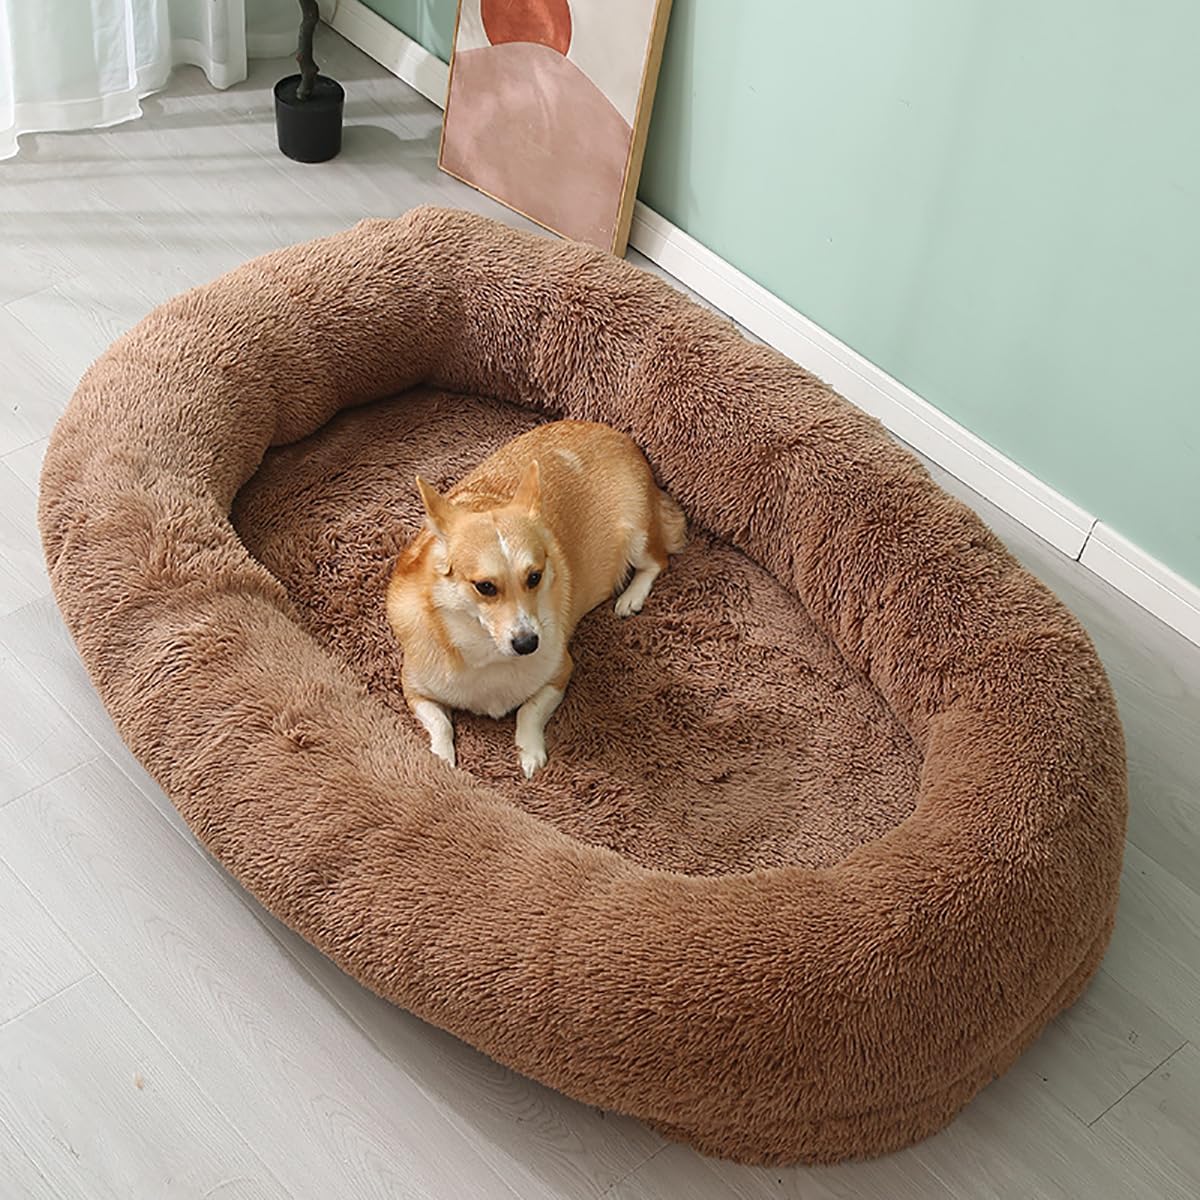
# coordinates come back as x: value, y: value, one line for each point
x: 828, y: 833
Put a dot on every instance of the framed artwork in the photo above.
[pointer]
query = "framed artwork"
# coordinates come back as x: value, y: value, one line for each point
x: 549, y: 105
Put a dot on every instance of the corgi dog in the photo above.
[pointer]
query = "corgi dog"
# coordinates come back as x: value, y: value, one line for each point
x: 485, y: 598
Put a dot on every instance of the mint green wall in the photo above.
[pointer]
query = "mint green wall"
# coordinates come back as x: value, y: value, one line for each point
x: 430, y: 22
x: 999, y: 204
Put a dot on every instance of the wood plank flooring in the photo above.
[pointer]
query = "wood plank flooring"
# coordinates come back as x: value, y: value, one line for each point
x: 161, y: 1035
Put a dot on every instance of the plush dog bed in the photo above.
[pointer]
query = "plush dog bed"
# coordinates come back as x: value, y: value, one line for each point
x: 828, y: 833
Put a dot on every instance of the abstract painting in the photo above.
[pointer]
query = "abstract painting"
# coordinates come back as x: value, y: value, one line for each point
x: 548, y: 108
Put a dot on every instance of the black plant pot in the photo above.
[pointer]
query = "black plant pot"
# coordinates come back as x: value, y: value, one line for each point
x: 309, y: 130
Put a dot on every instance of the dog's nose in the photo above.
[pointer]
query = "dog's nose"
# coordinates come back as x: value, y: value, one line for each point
x: 525, y: 643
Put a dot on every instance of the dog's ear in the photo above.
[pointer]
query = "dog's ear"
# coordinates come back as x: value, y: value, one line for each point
x: 438, y: 509
x: 529, y: 491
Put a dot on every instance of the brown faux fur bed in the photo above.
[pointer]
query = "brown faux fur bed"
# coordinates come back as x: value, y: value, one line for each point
x: 828, y: 833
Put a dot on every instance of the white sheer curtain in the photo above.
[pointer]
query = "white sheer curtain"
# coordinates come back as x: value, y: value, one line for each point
x: 78, y: 64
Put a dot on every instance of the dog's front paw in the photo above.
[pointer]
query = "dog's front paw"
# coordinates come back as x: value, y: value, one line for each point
x: 444, y: 749
x: 533, y: 758
x: 628, y: 605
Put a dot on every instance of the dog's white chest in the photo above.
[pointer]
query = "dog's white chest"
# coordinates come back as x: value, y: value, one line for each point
x: 489, y: 684
x: 497, y: 689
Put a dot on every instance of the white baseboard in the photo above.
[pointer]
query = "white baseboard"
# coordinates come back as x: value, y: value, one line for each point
x: 1152, y: 584
x: 994, y: 476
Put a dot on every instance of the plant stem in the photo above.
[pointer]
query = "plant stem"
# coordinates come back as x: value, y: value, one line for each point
x: 310, y: 14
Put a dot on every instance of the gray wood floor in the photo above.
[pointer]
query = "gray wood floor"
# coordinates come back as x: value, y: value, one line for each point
x: 162, y: 1036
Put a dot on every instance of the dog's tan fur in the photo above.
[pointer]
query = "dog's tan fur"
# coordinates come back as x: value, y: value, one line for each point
x: 548, y: 527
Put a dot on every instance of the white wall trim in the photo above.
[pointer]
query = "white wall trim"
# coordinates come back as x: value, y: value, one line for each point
x: 1152, y: 584
x: 1048, y: 513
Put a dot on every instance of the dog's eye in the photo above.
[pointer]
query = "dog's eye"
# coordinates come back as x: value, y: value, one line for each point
x: 485, y: 587
x: 535, y: 577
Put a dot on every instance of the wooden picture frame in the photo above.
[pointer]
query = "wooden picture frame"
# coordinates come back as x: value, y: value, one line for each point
x: 548, y: 108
